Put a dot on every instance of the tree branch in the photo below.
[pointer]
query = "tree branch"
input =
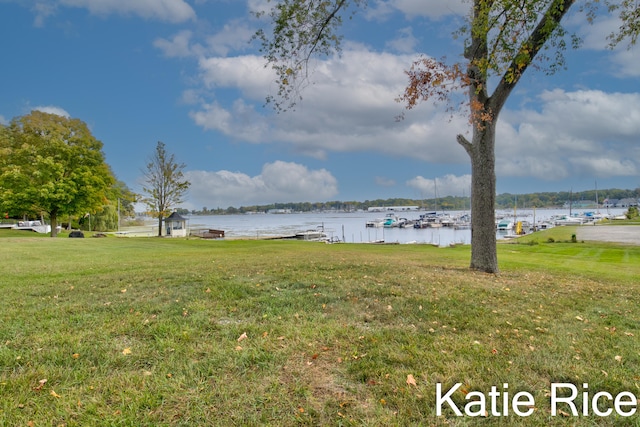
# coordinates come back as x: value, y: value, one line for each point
x: 465, y: 143
x: 528, y: 51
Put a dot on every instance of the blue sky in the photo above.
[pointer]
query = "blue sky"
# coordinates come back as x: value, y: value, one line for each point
x: 184, y: 72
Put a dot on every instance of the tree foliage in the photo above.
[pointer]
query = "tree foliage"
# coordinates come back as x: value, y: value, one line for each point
x: 54, y: 165
x: 164, y: 183
x: 301, y: 30
x: 629, y: 14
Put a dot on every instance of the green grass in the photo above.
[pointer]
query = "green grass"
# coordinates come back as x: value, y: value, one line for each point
x: 144, y: 331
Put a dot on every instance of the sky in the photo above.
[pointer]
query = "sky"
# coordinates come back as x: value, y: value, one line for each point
x: 186, y: 73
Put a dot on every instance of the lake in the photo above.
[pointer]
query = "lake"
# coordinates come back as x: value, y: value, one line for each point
x: 350, y: 227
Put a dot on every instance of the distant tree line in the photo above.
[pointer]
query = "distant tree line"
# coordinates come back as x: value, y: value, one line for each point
x: 448, y: 203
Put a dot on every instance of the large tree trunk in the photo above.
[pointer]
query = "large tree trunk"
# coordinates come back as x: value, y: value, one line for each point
x: 483, y: 197
x: 53, y: 218
x: 160, y: 225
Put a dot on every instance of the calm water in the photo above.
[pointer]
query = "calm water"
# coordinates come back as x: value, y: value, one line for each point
x: 350, y: 227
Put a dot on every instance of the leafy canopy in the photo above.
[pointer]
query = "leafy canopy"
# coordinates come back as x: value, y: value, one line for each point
x: 52, y: 164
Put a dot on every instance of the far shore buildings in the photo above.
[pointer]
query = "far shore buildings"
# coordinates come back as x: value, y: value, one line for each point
x: 620, y: 203
x: 606, y: 203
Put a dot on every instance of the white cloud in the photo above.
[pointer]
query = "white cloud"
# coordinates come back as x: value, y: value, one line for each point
x: 42, y: 11
x: 3, y: 120
x: 278, y: 182
x: 583, y: 134
x: 405, y: 42
x: 624, y: 60
x: 431, y: 8
x: 175, y: 11
x: 241, y: 121
x: 448, y: 185
x: 349, y: 107
x: 177, y: 47
x: 627, y: 62
x: 52, y: 109
x: 234, y: 36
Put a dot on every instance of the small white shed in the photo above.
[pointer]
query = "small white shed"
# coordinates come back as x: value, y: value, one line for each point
x: 175, y: 225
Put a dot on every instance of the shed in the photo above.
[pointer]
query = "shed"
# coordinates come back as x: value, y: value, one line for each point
x: 175, y: 225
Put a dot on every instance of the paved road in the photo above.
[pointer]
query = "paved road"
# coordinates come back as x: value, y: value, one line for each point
x: 610, y: 233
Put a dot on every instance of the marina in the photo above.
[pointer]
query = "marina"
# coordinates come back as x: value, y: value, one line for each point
x: 439, y: 229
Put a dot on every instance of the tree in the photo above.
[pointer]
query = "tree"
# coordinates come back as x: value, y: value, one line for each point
x: 164, y: 183
x: 502, y: 39
x: 119, y: 204
x: 53, y: 165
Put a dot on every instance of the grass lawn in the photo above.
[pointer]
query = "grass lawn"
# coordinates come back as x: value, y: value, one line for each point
x: 162, y: 332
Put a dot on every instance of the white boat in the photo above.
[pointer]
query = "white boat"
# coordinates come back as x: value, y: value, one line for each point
x: 390, y: 221
x: 505, y: 225
x: 313, y: 235
x: 567, y: 220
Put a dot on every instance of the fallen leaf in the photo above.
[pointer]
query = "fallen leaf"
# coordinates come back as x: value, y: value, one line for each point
x: 126, y: 351
x: 242, y: 337
x: 580, y: 318
x: 54, y: 394
x: 238, y: 348
x: 75, y: 355
x: 41, y: 383
x: 123, y: 291
x: 618, y: 358
x: 208, y: 290
x: 411, y: 380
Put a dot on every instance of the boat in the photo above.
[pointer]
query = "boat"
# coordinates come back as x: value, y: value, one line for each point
x: 505, y: 225
x: 311, y: 235
x: 376, y: 223
x: 390, y: 220
x: 567, y: 220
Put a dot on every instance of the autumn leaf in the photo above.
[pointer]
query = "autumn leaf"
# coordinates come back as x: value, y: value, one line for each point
x: 618, y: 358
x: 41, y: 383
x: 411, y: 380
x: 126, y: 351
x: 54, y: 394
x: 242, y: 337
x: 75, y: 355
